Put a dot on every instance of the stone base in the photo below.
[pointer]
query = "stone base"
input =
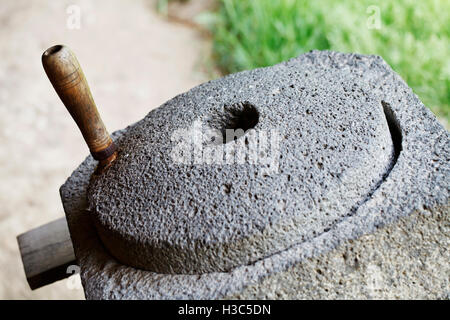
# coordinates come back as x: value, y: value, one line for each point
x: 406, y: 260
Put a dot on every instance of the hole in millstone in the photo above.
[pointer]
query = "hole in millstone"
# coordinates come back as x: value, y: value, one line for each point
x: 394, y: 129
x: 234, y: 121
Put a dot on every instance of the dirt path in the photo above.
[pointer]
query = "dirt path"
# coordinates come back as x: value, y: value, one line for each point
x: 133, y: 59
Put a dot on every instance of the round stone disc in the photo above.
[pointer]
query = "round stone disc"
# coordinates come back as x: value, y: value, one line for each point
x: 191, y: 193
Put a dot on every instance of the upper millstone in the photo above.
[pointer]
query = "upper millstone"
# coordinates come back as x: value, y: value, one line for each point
x: 186, y: 195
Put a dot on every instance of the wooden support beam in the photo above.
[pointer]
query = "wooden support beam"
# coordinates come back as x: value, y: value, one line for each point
x: 46, y: 253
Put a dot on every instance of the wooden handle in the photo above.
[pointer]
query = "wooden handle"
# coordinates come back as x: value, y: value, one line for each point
x: 67, y: 78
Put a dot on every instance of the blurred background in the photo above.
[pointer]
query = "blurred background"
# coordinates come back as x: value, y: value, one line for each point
x: 138, y: 54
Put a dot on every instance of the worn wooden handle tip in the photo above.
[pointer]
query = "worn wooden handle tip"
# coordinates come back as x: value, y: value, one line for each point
x: 66, y: 76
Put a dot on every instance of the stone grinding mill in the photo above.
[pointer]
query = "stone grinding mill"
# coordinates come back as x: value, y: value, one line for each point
x: 320, y: 177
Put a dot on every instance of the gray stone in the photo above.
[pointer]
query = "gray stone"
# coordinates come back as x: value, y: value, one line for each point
x: 328, y: 147
x: 405, y: 260
x: 360, y: 154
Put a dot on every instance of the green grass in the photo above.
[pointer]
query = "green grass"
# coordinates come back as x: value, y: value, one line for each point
x: 413, y: 37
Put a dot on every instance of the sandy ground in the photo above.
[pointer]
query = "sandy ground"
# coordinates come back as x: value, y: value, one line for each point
x: 134, y: 60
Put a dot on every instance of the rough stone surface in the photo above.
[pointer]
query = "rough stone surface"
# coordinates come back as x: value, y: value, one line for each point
x: 406, y: 260
x: 415, y: 189
x: 333, y: 148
